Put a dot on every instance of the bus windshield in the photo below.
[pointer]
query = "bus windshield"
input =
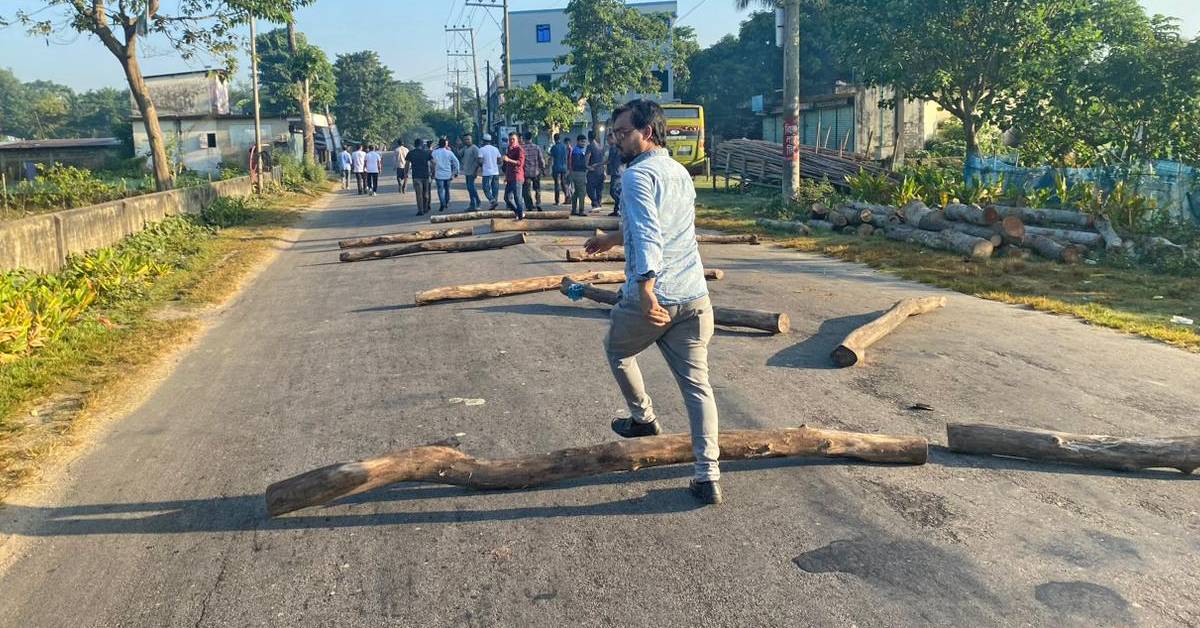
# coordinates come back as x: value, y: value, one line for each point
x: 681, y: 113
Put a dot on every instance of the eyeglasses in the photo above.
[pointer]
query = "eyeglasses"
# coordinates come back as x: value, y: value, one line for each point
x: 620, y: 134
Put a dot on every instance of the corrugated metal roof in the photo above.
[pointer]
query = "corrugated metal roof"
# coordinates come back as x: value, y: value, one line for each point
x: 85, y: 142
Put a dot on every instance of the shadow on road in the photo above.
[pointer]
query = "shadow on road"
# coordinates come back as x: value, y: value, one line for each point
x: 813, y: 352
x: 940, y: 454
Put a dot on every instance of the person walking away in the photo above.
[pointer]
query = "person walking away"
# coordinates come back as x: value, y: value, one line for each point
x: 470, y: 169
x: 445, y: 167
x: 489, y: 167
x: 373, y: 164
x: 359, y: 164
x: 558, y: 158
x: 577, y: 165
x: 664, y: 300
x: 615, y: 167
x: 418, y: 169
x: 401, y: 166
x: 595, y: 178
x: 514, y: 175
x: 345, y: 160
x: 535, y: 164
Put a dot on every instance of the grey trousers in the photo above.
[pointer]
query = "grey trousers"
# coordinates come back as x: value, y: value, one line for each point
x: 684, y: 345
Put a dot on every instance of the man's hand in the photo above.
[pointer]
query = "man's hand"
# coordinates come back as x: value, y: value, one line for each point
x: 599, y: 244
x: 654, y: 312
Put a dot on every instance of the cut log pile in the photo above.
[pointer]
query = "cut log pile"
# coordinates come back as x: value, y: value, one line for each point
x: 974, y: 231
x: 758, y: 162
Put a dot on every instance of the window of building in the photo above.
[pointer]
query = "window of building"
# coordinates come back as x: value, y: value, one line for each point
x: 543, y: 80
x: 664, y: 79
x: 212, y: 140
x: 543, y: 33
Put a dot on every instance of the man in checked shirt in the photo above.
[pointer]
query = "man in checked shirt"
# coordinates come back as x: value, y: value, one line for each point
x: 665, y: 298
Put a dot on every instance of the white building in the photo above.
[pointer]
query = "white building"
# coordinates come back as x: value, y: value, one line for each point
x: 537, y: 39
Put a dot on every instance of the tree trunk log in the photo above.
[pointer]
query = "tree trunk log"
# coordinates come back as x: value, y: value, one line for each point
x: 612, y: 255
x: 443, y: 463
x: 515, y: 286
x: 979, y: 231
x: 1014, y: 251
x: 820, y: 225
x: 837, y: 219
x: 499, y: 213
x: 944, y: 240
x: 968, y: 244
x: 449, y: 246
x: 1085, y: 238
x: 784, y: 225
x: 818, y: 210
x: 1051, y: 249
x: 774, y: 322
x: 919, y: 215
x: 855, y: 216
x: 853, y: 348
x: 1047, y: 217
x: 402, y: 238
x: 747, y: 238
x: 1010, y: 228
x: 1112, y: 241
x: 572, y: 224
x: 973, y: 214
x: 864, y: 230
x: 1105, y: 452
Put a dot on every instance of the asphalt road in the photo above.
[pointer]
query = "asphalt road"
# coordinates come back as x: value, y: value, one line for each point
x: 163, y: 524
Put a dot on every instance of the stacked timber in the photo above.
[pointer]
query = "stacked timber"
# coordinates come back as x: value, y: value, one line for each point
x: 762, y: 162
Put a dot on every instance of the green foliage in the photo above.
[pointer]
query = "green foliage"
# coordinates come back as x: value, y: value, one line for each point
x: 871, y: 188
x: 300, y: 176
x: 228, y: 211
x: 542, y: 108
x: 280, y: 73
x: 42, y: 109
x: 444, y: 123
x: 370, y: 105
x: 1124, y: 207
x: 951, y: 140
x: 64, y: 187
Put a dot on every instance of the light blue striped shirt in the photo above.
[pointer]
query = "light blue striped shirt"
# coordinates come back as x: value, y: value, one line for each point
x: 658, y: 218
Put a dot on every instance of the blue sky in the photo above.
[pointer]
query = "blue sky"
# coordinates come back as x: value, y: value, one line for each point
x: 407, y: 34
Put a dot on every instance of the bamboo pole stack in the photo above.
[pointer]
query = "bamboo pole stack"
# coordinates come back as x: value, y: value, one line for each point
x: 760, y: 162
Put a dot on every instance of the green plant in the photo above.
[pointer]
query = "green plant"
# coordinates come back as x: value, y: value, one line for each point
x: 36, y: 309
x: 873, y: 188
x: 228, y: 211
x: 1125, y: 207
x: 908, y: 190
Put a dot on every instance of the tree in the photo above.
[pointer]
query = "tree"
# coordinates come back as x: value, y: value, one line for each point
x: 975, y: 58
x: 540, y: 107
x: 446, y: 123
x: 193, y: 27
x: 279, y: 73
x: 603, y: 69
x: 370, y: 104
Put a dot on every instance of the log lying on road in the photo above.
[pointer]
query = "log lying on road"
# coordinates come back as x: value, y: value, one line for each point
x: 498, y: 213
x: 945, y: 240
x: 616, y: 254
x: 1105, y: 452
x: 1086, y: 238
x: 774, y: 322
x: 744, y: 238
x: 530, y: 284
x: 401, y: 238
x: 443, y: 463
x: 572, y: 224
x: 449, y: 246
x: 853, y: 348
x: 784, y: 225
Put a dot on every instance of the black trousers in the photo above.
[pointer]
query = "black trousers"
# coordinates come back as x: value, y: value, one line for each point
x: 532, y: 187
x: 373, y: 181
x: 361, y: 179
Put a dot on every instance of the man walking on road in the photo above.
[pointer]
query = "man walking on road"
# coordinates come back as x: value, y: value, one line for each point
x: 470, y: 168
x: 615, y: 167
x: 535, y: 164
x: 358, y: 164
x: 558, y: 155
x: 418, y: 167
x: 445, y: 167
x: 595, y: 175
x: 514, y: 175
x: 489, y: 166
x: 373, y: 164
x: 577, y: 165
x: 665, y: 299
x: 401, y: 166
x: 345, y: 160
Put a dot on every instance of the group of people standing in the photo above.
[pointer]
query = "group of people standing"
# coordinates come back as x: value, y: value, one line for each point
x: 365, y: 164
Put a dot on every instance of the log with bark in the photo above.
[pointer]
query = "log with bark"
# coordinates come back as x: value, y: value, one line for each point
x: 1093, y: 450
x: 741, y: 238
x: 572, y: 224
x: 820, y: 225
x: 448, y: 246
x: 818, y: 210
x: 784, y: 225
x: 853, y: 347
x: 1047, y: 217
x: 616, y: 254
x: 919, y: 215
x: 444, y: 463
x: 973, y: 214
x: 945, y: 240
x: 402, y: 238
x: 864, y: 230
x: 837, y: 219
x: 1011, y: 228
x: 1112, y: 241
x: 529, y: 285
x: 1013, y: 251
x: 1089, y: 239
x: 774, y: 322
x: 979, y: 231
x: 553, y: 214
x: 855, y: 216
x: 1051, y: 249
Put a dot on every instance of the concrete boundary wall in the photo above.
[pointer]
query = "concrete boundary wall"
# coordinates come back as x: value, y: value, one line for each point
x: 42, y: 243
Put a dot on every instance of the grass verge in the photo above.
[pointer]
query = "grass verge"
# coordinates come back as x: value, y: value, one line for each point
x: 46, y: 397
x: 1136, y: 301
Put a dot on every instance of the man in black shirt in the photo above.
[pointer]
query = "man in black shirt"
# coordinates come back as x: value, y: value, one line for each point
x: 418, y: 165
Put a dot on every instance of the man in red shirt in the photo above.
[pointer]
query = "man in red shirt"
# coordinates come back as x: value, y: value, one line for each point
x: 514, y: 175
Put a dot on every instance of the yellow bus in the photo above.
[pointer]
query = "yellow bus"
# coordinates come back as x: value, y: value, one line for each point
x: 685, y: 134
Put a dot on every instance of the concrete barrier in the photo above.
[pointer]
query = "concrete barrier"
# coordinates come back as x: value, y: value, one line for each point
x: 42, y: 243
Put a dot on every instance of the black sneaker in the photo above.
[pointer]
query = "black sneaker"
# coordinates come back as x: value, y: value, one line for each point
x: 706, y: 492
x: 628, y: 428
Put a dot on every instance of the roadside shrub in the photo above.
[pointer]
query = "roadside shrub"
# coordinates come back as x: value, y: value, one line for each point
x: 35, y: 309
x: 228, y: 211
x: 64, y: 187
x: 870, y: 187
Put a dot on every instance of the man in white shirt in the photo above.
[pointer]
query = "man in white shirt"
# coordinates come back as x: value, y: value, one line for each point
x: 373, y: 163
x: 357, y: 164
x: 445, y: 167
x: 489, y: 167
x: 344, y: 159
x: 401, y: 166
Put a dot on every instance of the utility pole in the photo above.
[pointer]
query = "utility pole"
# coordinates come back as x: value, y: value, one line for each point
x: 257, y: 117
x: 504, y: 37
x: 474, y: 73
x: 791, y: 99
x: 489, y: 102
